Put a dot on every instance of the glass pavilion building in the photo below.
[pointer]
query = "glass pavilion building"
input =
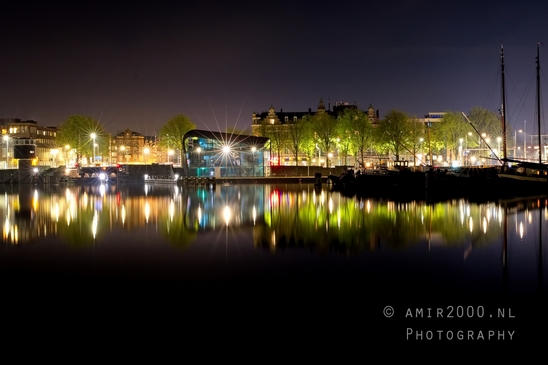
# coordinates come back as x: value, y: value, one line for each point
x: 218, y: 154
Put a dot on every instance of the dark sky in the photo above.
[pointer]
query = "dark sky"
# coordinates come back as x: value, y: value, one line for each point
x: 136, y: 64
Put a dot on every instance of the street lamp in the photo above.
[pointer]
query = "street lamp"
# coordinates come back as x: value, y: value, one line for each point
x: 460, y: 150
x: 169, y: 154
x: 226, y: 151
x: 93, y: 136
x: 6, y: 139
x: 319, y: 153
x: 524, y: 140
x: 146, y: 151
x: 487, y: 141
x: 253, y: 149
x: 67, y: 148
x: 498, y: 146
x: 54, y: 158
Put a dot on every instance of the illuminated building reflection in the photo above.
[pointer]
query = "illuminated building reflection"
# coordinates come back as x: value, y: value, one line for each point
x: 278, y: 217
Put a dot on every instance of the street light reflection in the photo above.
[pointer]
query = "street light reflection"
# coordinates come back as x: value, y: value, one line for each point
x: 227, y: 214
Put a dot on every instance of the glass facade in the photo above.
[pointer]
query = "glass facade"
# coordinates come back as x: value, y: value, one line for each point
x: 221, y: 155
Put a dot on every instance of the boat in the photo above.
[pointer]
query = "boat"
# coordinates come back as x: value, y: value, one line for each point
x: 529, y: 177
x: 65, y: 179
x: 153, y: 179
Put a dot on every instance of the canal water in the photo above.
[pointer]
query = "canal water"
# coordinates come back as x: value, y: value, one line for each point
x: 294, y: 258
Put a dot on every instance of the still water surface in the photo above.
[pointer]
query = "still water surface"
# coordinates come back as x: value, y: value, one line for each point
x: 288, y: 245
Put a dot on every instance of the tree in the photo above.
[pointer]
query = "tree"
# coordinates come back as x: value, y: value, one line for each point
x: 76, y: 132
x: 486, y: 121
x: 393, y: 131
x: 415, y: 138
x: 278, y: 135
x: 297, y: 134
x: 173, y: 133
x: 448, y: 134
x: 324, y: 128
x: 356, y: 126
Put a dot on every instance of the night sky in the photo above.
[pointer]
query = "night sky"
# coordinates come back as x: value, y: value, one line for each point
x: 136, y: 64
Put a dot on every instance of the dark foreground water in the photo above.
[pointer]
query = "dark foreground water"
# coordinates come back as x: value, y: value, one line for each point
x: 271, y: 264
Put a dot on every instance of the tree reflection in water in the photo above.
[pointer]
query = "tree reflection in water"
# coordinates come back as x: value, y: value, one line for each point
x: 276, y: 247
x: 280, y: 216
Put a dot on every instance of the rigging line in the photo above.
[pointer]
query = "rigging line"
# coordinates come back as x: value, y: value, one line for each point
x: 516, y: 112
x: 489, y: 99
x: 483, y: 139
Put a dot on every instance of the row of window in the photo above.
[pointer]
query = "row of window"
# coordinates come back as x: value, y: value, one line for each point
x: 26, y: 129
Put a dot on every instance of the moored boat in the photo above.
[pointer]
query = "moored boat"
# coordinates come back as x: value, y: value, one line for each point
x: 530, y: 177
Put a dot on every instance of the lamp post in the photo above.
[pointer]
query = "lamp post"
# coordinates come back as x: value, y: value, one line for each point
x: 93, y: 136
x: 54, y: 157
x: 7, y: 139
x: 253, y: 149
x: 67, y: 148
x: 226, y: 151
x: 483, y: 135
x: 421, y: 140
x: 466, y: 139
x: 524, y: 140
x: 146, y: 151
x: 319, y: 154
x: 460, y: 151
x: 169, y: 156
x: 487, y: 141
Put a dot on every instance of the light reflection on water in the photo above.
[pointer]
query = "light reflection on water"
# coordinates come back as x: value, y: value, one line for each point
x: 200, y: 233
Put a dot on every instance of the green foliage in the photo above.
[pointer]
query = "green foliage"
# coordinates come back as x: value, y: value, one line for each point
x: 325, y: 128
x: 278, y: 135
x: 173, y: 132
x: 298, y: 134
x: 486, y: 121
x: 357, y: 133
x: 393, y: 132
x: 447, y: 134
x: 76, y: 132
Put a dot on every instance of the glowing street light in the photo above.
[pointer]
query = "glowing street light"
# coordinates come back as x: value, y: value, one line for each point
x: 460, y: 150
x: 93, y: 136
x: 253, y: 149
x: 67, y: 148
x: 146, y: 151
x: 226, y: 151
x: 7, y: 139
x: 54, y: 158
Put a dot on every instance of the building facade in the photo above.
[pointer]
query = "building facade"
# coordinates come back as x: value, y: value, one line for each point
x: 285, y: 119
x: 17, y: 131
x: 133, y: 147
x: 217, y: 154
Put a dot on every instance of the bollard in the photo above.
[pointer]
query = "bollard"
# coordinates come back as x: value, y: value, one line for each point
x: 318, y: 178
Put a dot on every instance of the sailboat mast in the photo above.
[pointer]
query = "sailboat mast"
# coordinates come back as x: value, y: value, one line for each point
x: 538, y: 105
x: 503, y: 110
